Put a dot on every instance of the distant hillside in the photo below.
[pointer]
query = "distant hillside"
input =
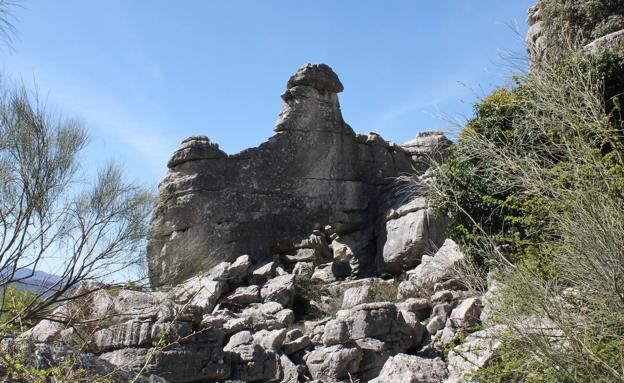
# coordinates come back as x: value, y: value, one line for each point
x: 37, y: 281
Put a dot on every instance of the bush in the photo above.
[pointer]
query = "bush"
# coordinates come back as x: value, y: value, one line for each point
x: 580, y: 21
x: 535, y: 189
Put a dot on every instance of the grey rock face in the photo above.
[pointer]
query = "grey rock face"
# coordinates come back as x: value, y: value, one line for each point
x: 409, y: 230
x: 412, y: 369
x: 426, y: 149
x: 334, y: 362
x: 610, y: 41
x: 535, y: 40
x: 432, y: 270
x: 315, y: 171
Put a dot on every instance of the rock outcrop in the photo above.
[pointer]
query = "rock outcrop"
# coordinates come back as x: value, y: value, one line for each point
x: 315, y: 173
x: 535, y: 39
x: 282, y: 263
x: 262, y: 322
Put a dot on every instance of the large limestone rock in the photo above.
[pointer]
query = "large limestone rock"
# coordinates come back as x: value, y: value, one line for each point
x: 334, y: 362
x: 427, y: 149
x: 41, y: 356
x: 412, y: 369
x: 315, y: 171
x: 439, y: 268
x: 611, y: 41
x: 409, y: 229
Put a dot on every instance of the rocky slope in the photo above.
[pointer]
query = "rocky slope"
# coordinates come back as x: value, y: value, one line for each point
x: 282, y: 321
x: 298, y: 260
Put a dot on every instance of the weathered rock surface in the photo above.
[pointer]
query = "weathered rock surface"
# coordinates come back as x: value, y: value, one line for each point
x: 611, y: 41
x: 426, y: 149
x: 333, y: 363
x: 431, y: 271
x: 535, y: 40
x: 412, y: 369
x: 314, y: 172
x: 409, y: 230
x: 477, y: 349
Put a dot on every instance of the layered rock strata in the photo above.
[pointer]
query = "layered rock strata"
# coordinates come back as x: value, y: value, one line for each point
x: 315, y: 173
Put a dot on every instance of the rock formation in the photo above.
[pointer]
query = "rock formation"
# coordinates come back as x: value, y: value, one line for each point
x: 246, y: 322
x: 315, y: 173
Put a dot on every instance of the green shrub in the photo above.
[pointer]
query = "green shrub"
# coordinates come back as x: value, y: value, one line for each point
x: 579, y: 21
x: 535, y: 189
x: 16, y: 303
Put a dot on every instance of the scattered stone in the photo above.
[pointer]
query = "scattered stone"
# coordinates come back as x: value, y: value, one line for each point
x: 244, y: 296
x: 435, y: 269
x: 477, y: 349
x: 333, y: 362
x: 279, y: 289
x: 412, y: 369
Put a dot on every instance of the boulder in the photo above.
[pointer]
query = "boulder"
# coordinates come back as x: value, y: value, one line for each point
x: 270, y: 340
x: 381, y: 321
x: 426, y: 149
x: 374, y: 355
x: 129, y: 334
x: 336, y: 332
x: 279, y: 289
x: 201, y: 361
x: 466, y: 314
x: 609, y: 42
x: 252, y: 363
x: 439, y: 316
x: 290, y: 372
x: 42, y: 356
x: 303, y: 269
x: 239, y: 269
x: 409, y: 231
x: 412, y: 369
x: 296, y: 345
x: 356, y: 296
x: 138, y: 304
x: 420, y: 307
x: 201, y: 292
x: 477, y: 349
x: 333, y: 363
x: 46, y: 330
x: 243, y: 296
x: 435, y: 269
x: 238, y: 339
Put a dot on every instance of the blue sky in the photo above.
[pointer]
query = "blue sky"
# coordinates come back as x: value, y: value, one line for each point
x: 144, y: 74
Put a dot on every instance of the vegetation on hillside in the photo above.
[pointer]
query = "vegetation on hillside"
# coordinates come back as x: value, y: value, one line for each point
x: 535, y: 193
x: 579, y: 20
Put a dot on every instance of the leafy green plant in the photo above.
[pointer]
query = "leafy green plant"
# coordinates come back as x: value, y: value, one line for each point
x: 535, y: 191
